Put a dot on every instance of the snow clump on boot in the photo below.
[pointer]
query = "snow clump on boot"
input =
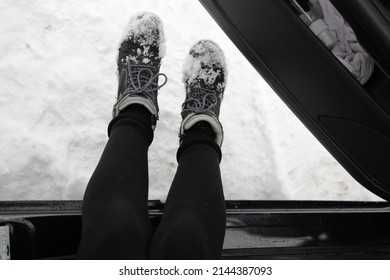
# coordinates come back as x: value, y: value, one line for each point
x: 145, y: 31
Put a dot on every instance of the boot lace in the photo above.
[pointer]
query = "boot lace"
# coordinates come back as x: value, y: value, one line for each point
x: 142, y: 80
x: 201, y: 101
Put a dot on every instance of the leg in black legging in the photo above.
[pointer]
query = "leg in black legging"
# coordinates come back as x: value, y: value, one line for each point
x: 115, y: 222
x: 193, y: 224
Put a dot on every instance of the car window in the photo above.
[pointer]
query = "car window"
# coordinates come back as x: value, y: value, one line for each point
x: 58, y: 83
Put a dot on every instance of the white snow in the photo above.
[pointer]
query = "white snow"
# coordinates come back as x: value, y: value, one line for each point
x: 206, y: 52
x: 58, y: 83
x: 142, y: 27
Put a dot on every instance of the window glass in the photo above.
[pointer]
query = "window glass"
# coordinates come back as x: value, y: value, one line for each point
x: 58, y: 83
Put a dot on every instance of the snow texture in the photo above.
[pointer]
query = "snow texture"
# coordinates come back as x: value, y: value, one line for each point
x: 142, y: 29
x: 58, y: 83
x: 204, y: 53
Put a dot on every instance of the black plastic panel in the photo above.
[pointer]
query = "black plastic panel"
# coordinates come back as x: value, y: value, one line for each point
x: 254, y: 229
x: 314, y: 84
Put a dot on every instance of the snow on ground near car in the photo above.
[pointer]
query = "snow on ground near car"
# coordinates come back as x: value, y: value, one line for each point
x: 58, y: 84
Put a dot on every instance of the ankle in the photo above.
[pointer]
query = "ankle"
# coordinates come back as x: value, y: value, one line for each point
x: 134, y: 114
x: 200, y: 133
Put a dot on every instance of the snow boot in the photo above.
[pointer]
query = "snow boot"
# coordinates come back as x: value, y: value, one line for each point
x: 141, y: 49
x: 204, y: 76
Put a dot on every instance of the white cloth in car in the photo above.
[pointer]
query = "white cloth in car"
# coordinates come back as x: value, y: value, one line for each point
x: 347, y: 49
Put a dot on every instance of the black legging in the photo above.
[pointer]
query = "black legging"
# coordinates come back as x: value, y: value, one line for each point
x: 115, y: 221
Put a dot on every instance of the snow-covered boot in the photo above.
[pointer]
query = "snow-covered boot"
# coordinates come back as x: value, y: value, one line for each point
x: 204, y: 76
x: 141, y: 49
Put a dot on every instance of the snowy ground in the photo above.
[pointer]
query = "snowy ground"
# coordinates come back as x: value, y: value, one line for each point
x: 58, y: 85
